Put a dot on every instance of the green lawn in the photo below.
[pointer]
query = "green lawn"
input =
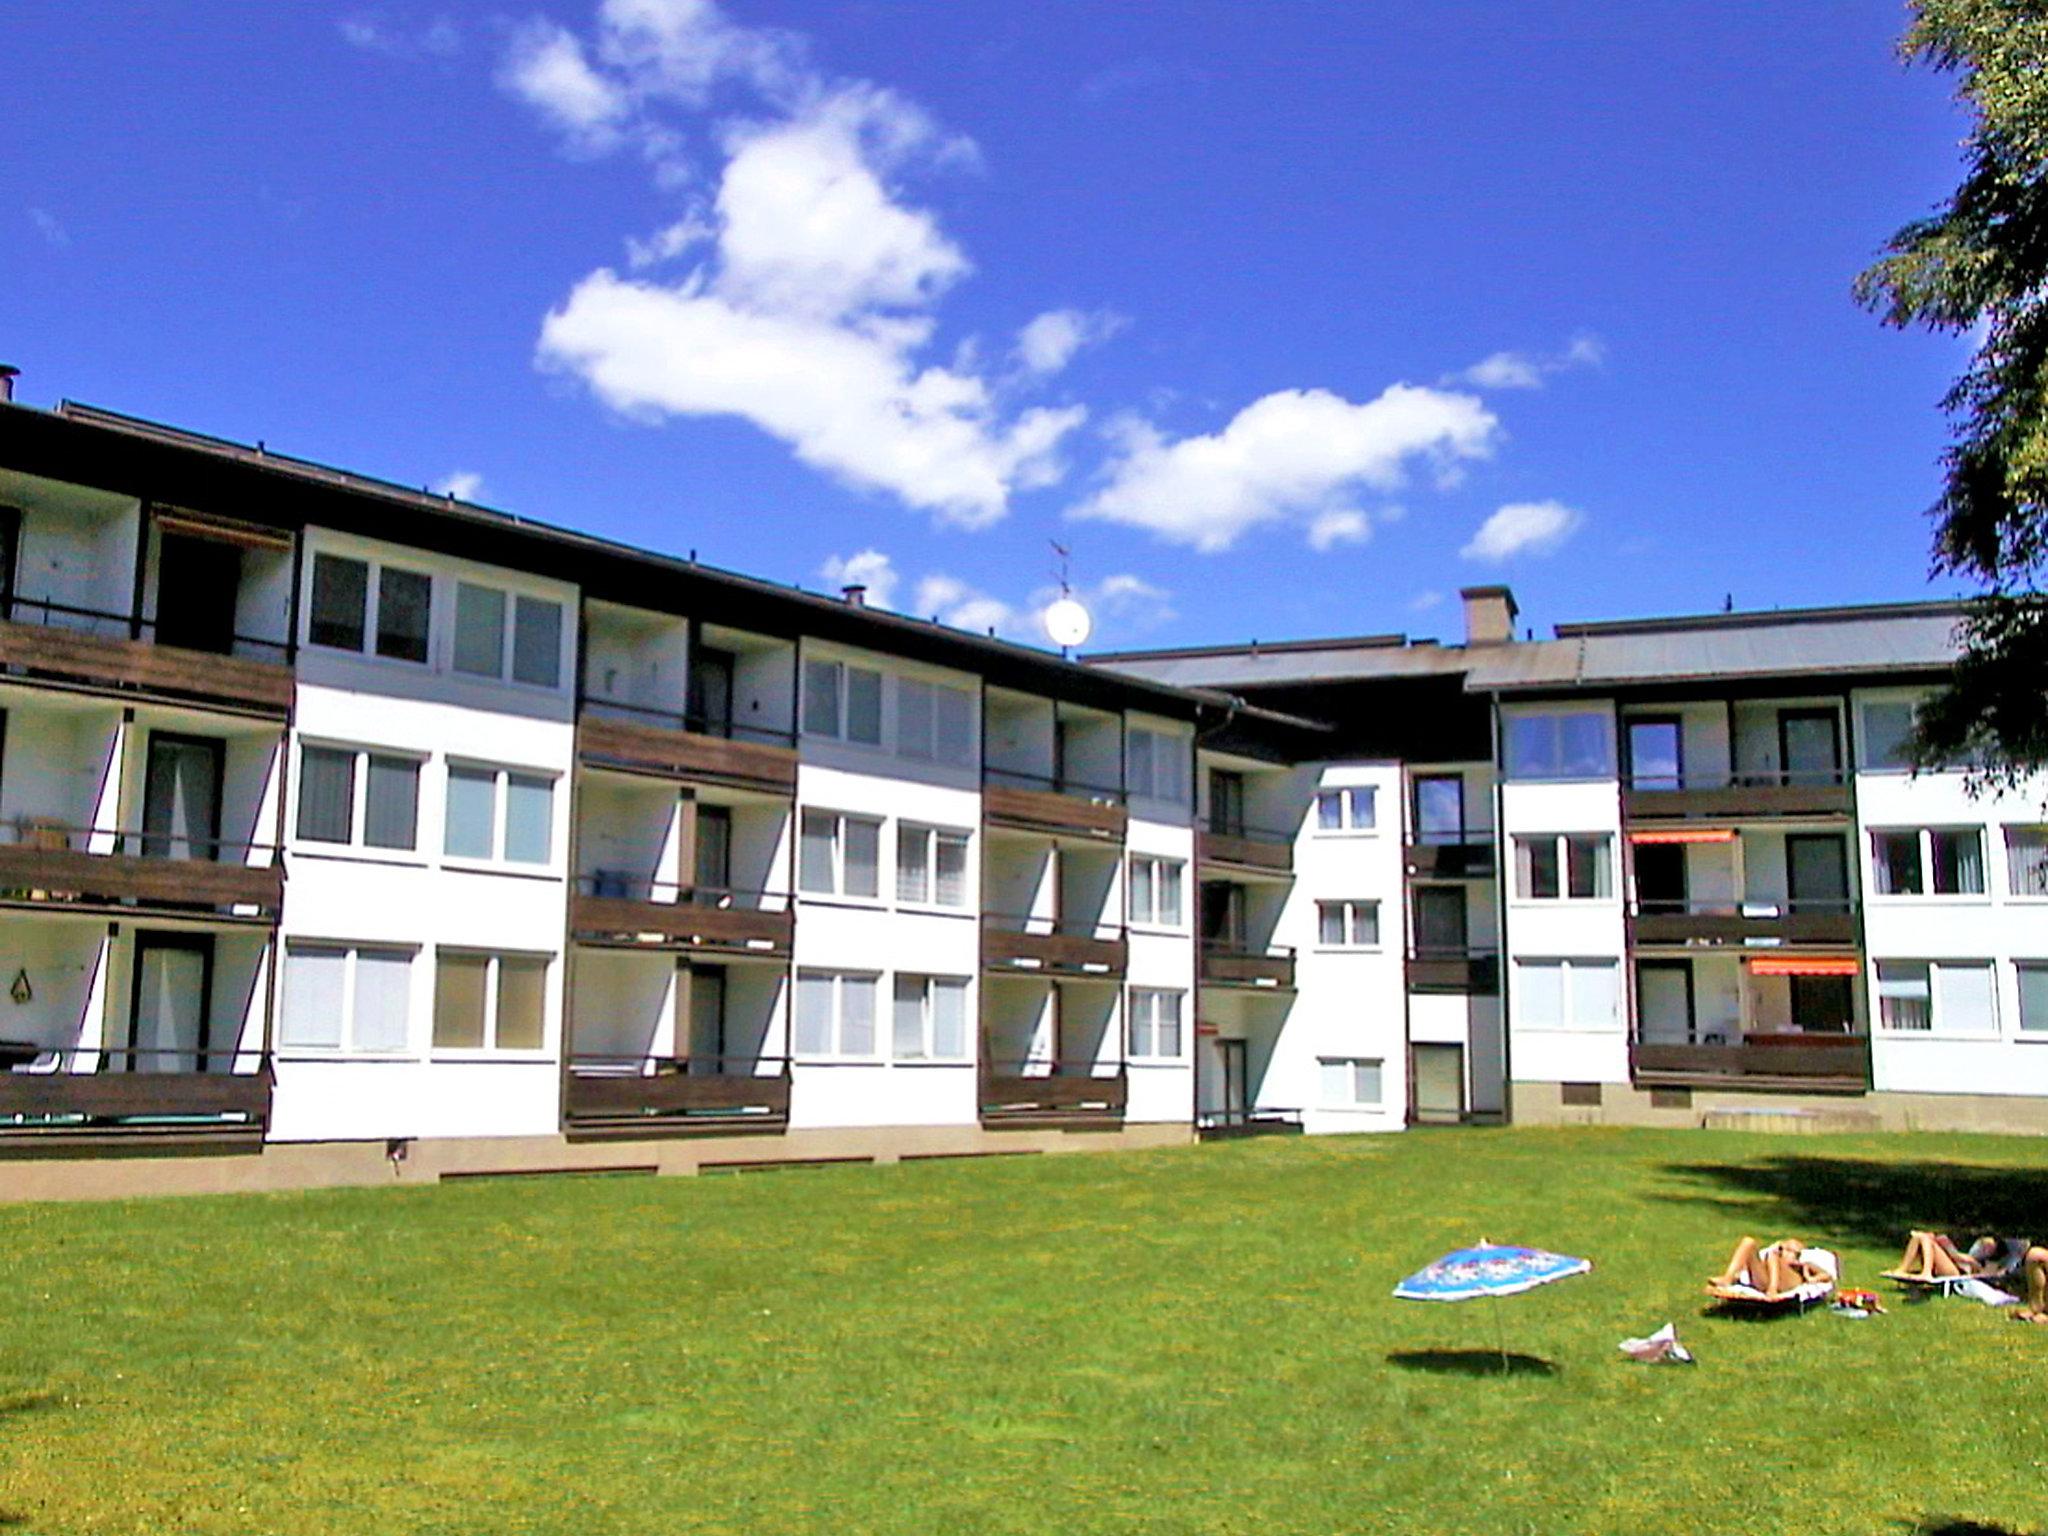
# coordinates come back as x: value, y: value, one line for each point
x: 1198, y: 1340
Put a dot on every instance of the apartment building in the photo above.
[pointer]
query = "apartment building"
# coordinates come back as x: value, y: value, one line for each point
x: 350, y: 834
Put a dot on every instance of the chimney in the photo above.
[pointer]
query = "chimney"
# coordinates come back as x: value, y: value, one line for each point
x: 1489, y: 615
x: 855, y: 594
x: 8, y: 374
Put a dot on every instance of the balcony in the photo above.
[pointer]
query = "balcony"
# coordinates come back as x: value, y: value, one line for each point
x: 1468, y: 856
x: 1026, y: 802
x: 645, y: 1096
x: 1446, y: 971
x: 1708, y: 925
x: 1228, y: 963
x: 1736, y: 797
x: 682, y: 747
x: 164, y: 874
x: 1042, y: 946
x: 1232, y: 848
x: 1233, y: 1124
x: 1065, y: 1095
x: 111, y: 651
x: 732, y: 924
x: 1812, y: 1061
x: 44, y: 1101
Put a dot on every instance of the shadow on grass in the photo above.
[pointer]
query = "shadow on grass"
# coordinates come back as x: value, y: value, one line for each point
x: 1470, y: 1362
x: 1875, y: 1203
x: 1754, y: 1312
x: 1945, y: 1525
x: 28, y: 1402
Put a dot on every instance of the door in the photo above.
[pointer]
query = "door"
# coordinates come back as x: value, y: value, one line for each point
x: 1817, y: 872
x: 711, y: 675
x: 1226, y: 802
x: 1810, y: 746
x: 1660, y: 877
x: 1235, y: 1104
x: 196, y: 583
x: 1656, y: 752
x: 1223, y: 915
x: 181, y: 797
x: 1439, y: 1084
x: 1664, y: 1002
x: 1440, y: 931
x: 1822, y: 1004
x: 706, y: 1049
x: 167, y: 1012
x: 713, y: 872
x: 1440, y: 808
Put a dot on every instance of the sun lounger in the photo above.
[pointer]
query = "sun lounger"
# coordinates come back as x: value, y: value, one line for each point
x: 2004, y: 1265
x: 1801, y: 1296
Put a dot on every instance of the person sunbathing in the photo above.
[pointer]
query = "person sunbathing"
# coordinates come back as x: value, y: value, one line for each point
x: 1932, y: 1257
x: 2033, y: 1275
x: 1778, y: 1270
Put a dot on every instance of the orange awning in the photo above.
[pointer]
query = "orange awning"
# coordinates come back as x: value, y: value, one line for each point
x: 1806, y: 965
x: 1685, y: 835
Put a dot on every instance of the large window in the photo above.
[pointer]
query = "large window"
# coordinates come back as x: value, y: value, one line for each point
x: 835, y: 1014
x: 934, y: 723
x: 2033, y: 979
x: 1887, y: 727
x: 502, y: 634
x: 930, y: 1022
x: 358, y: 798
x: 1155, y: 1031
x: 2026, y: 860
x: 1920, y: 861
x: 1355, y: 809
x: 843, y: 702
x: 1156, y: 890
x: 1942, y: 997
x: 1567, y: 994
x: 346, y: 998
x: 1351, y: 1082
x: 485, y: 1001
x: 363, y: 603
x: 499, y: 814
x: 931, y: 866
x: 1348, y: 924
x: 839, y: 855
x: 1439, y: 808
x: 1156, y: 765
x: 1569, y: 866
x: 1560, y: 746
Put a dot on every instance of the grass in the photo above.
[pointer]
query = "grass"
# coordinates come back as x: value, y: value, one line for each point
x: 1198, y: 1341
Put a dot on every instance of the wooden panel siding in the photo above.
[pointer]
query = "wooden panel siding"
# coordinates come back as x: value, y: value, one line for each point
x: 1041, y: 810
x: 1241, y: 968
x: 735, y: 930
x: 1450, y: 861
x: 727, y: 1100
x: 685, y: 755
x: 1473, y: 975
x: 55, y: 875
x: 1251, y: 853
x: 1067, y: 1098
x: 1824, y: 1063
x: 1070, y: 954
x: 144, y: 667
x: 137, y: 1095
x: 1735, y: 802
x: 1732, y: 928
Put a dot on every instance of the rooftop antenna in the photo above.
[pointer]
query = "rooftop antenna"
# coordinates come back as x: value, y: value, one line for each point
x: 1067, y: 622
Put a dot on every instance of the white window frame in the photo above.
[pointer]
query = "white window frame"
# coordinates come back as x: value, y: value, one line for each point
x: 351, y: 953
x: 842, y: 687
x: 359, y: 803
x: 1160, y: 873
x: 2012, y: 866
x: 373, y: 596
x: 2021, y: 1029
x: 1609, y: 770
x: 839, y: 820
x: 1562, y: 842
x: 508, y: 634
x: 928, y: 987
x: 932, y: 838
x: 1348, y: 799
x: 1349, y: 909
x: 1935, y: 1029
x: 1144, y: 1027
x: 1569, y: 1021
x: 501, y: 815
x: 1926, y: 835
x: 881, y: 1020
x: 1350, y: 1065
x: 494, y: 963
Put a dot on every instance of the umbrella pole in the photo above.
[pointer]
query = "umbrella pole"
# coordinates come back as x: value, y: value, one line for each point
x: 1500, y: 1336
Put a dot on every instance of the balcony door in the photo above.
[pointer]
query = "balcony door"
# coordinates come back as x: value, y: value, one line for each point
x: 10, y: 549
x: 712, y: 869
x: 1822, y: 1005
x: 711, y: 676
x: 1664, y: 1014
x: 1656, y: 752
x: 1235, y: 1102
x: 181, y: 796
x: 1440, y: 929
x: 196, y: 582
x: 1226, y: 802
x: 1661, y: 884
x: 705, y: 985
x: 168, y: 1011
x: 1439, y: 1084
x: 1223, y: 915
x: 1810, y: 746
x: 1440, y: 808
x: 1817, y: 871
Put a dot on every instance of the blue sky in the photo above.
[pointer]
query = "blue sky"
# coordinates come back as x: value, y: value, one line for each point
x: 1287, y: 318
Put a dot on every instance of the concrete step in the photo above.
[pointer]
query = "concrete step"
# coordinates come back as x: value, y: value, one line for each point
x: 1790, y: 1120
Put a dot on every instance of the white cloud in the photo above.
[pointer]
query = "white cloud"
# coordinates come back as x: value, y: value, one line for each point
x: 1050, y: 341
x: 1422, y: 602
x: 46, y: 223
x: 1521, y: 370
x: 369, y: 31
x: 1340, y: 525
x: 546, y: 68
x: 669, y: 242
x: 1296, y: 456
x: 1125, y: 603
x: 1522, y: 528
x: 463, y: 485
x: 871, y: 569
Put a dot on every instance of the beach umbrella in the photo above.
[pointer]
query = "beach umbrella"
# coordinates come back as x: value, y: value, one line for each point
x: 1491, y: 1270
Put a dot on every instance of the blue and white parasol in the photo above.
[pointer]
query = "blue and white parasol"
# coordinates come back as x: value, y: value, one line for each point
x: 1491, y: 1270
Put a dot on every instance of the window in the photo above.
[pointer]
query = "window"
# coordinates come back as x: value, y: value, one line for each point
x: 1156, y: 891
x: 1156, y: 765
x: 482, y: 642
x: 840, y: 855
x: 1155, y: 1023
x: 931, y: 866
x: 931, y: 1019
x: 2033, y: 978
x: 835, y: 1014
x: 1887, y: 727
x: 343, y: 998
x: 1904, y: 995
x: 476, y: 829
x: 1573, y: 866
x: 1347, y: 810
x: 933, y: 722
x: 1348, y: 924
x: 1439, y: 808
x: 489, y: 1002
x: 843, y: 702
x: 342, y: 614
x: 1567, y: 994
x: 1564, y: 746
x: 1942, y: 997
x: 368, y: 799
x: 1350, y: 1082
x: 2026, y: 860
x: 1917, y: 861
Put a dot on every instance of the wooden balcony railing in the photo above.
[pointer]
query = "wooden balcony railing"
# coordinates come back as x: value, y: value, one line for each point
x: 740, y: 924
x: 100, y: 650
x: 139, y: 1092
x: 1716, y: 924
x: 1469, y: 858
x: 1813, y: 1061
x: 1066, y: 1095
x: 666, y: 746
x: 1226, y: 963
x: 1736, y: 797
x: 1235, y: 848
x: 1042, y: 947
x: 1028, y: 803
x: 627, y: 1095
x: 65, y: 876
x: 1472, y: 972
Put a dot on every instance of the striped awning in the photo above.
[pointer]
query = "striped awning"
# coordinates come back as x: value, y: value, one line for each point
x: 1684, y: 835
x: 1806, y: 965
